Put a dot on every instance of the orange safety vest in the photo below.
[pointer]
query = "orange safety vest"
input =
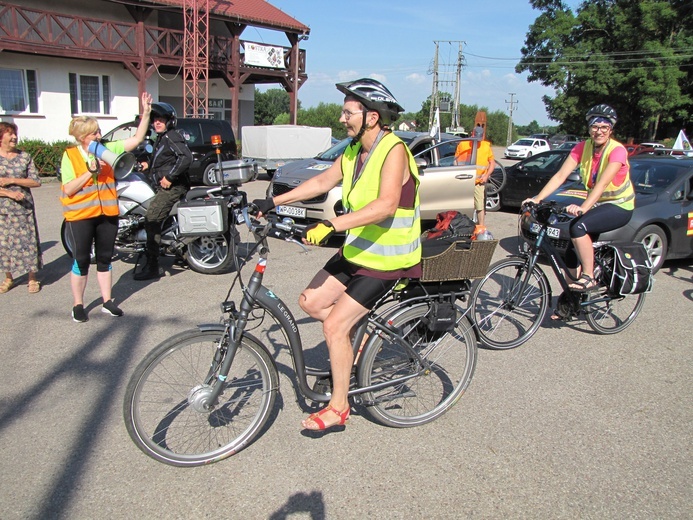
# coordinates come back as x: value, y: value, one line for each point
x: 94, y: 199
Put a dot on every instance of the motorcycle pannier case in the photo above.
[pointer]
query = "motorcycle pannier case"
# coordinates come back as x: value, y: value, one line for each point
x: 203, y: 217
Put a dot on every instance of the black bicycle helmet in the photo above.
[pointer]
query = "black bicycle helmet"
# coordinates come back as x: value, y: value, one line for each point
x: 166, y: 111
x: 604, y: 111
x: 374, y: 96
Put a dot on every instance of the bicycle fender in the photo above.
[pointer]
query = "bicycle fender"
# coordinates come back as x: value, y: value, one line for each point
x: 208, y: 327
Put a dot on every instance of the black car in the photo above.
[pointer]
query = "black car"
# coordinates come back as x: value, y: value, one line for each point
x: 198, y: 133
x: 527, y: 177
x: 663, y: 215
x: 559, y: 139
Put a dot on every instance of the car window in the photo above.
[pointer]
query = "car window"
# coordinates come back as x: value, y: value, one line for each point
x: 524, y: 142
x: 652, y: 178
x: 447, y: 149
x: 120, y: 133
x: 331, y: 154
x: 190, y: 131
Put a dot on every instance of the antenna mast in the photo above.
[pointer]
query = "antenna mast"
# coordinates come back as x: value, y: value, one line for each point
x: 196, y: 58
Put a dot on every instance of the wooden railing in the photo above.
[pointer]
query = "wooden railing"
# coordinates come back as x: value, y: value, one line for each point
x: 56, y: 34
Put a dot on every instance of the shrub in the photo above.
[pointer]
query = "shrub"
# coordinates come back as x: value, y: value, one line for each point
x: 46, y: 155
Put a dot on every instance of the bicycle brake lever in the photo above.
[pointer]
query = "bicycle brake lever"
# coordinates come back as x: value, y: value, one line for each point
x: 294, y: 241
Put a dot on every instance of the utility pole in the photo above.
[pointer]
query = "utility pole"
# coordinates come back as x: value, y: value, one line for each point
x: 444, y: 105
x: 434, y: 94
x: 511, y: 109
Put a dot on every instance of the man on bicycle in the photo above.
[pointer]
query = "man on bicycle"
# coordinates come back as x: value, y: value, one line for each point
x: 380, y: 185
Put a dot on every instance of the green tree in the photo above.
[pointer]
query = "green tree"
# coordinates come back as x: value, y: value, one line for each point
x: 269, y: 104
x: 632, y: 54
x: 326, y: 115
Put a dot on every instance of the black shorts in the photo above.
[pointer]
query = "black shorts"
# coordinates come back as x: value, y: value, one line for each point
x: 366, y: 290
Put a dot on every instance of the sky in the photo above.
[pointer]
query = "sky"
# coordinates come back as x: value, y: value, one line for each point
x: 394, y: 43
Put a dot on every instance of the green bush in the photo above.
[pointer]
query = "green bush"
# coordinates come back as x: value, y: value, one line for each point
x: 46, y: 155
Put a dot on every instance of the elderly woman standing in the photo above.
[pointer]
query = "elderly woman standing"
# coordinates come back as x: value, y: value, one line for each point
x: 20, y: 248
x: 90, y: 206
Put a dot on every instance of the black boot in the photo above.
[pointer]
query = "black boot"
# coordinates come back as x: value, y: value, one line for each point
x: 150, y: 270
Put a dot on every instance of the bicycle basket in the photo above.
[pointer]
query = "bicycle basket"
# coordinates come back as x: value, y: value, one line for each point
x: 459, y: 261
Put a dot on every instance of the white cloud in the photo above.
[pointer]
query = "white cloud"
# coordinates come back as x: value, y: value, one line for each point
x: 416, y: 78
x: 379, y: 77
x: 346, y: 75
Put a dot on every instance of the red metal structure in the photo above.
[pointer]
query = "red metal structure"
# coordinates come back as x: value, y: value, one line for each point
x: 196, y: 58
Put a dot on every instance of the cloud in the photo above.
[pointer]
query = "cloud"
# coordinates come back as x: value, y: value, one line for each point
x: 416, y: 78
x: 346, y: 75
x: 378, y: 77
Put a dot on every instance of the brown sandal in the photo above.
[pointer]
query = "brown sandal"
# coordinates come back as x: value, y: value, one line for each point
x: 6, y: 285
x: 34, y: 286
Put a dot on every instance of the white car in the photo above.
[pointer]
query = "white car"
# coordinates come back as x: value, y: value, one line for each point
x: 526, y: 147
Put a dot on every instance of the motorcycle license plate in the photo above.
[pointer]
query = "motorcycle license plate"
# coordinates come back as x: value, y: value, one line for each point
x: 551, y: 231
x: 291, y: 211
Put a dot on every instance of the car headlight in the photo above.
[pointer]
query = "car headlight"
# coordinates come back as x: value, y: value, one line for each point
x: 278, y: 172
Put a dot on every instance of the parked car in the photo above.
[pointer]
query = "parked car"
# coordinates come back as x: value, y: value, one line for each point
x: 198, y: 133
x: 663, y: 207
x: 559, y: 139
x: 649, y: 148
x: 545, y: 137
x: 527, y: 177
x: 526, y: 147
x: 444, y: 186
x: 568, y: 145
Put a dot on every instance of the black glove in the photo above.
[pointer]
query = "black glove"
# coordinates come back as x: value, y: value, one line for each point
x: 264, y: 205
x: 319, y: 233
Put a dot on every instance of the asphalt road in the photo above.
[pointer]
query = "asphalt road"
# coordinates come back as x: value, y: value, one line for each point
x: 569, y: 425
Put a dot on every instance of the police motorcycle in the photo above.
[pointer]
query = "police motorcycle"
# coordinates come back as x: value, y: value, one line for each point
x: 199, y: 229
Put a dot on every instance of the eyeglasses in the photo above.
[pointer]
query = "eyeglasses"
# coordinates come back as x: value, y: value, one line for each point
x: 347, y: 115
x: 600, y: 129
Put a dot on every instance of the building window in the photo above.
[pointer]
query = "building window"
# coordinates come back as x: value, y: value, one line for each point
x: 90, y: 94
x: 18, y: 91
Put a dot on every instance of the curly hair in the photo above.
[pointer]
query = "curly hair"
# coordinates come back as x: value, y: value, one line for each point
x: 82, y: 126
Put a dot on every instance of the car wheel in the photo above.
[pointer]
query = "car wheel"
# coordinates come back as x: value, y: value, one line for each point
x: 493, y: 202
x: 529, y: 154
x: 209, y: 177
x: 655, y: 241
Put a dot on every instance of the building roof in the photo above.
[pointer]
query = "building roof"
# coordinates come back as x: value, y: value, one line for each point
x: 254, y: 12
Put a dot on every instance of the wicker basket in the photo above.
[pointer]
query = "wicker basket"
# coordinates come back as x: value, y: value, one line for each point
x: 456, y: 263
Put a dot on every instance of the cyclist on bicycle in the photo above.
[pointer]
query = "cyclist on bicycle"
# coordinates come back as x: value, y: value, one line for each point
x: 382, y: 224
x: 610, y: 198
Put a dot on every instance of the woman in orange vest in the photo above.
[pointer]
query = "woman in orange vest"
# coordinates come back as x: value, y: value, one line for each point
x: 90, y: 206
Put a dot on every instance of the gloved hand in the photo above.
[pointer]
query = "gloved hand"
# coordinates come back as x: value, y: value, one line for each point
x: 319, y: 233
x: 264, y: 205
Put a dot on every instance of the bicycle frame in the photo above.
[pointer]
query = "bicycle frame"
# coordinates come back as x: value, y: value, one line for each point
x: 558, y: 266
x: 258, y: 295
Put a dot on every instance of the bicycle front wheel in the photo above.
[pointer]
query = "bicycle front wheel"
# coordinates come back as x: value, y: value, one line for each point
x: 608, y: 315
x: 430, y: 385
x: 164, y: 400
x: 503, y: 317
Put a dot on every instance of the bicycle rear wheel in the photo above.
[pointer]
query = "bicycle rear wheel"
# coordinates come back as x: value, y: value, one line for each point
x: 503, y: 317
x: 496, y: 181
x: 431, y: 389
x: 163, y: 407
x: 609, y: 315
